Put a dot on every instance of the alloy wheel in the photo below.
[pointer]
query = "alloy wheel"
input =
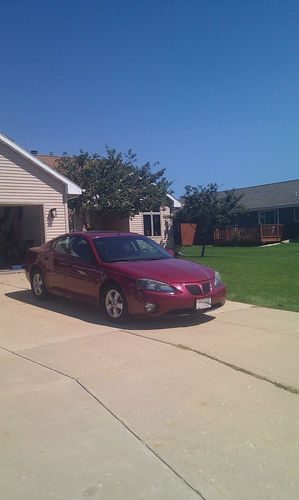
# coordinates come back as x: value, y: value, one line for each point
x: 37, y: 284
x: 114, y: 303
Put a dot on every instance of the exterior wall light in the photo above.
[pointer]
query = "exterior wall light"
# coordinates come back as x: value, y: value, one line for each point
x: 53, y: 213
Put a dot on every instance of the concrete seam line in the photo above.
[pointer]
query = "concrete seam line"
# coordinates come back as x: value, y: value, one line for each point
x: 59, y: 342
x: 279, y: 385
x: 37, y: 363
x: 263, y: 330
x: 111, y: 413
x: 140, y: 440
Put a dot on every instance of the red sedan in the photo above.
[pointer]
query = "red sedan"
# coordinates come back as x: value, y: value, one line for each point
x: 123, y: 273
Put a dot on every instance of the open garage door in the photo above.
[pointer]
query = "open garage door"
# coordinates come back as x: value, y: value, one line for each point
x: 21, y: 227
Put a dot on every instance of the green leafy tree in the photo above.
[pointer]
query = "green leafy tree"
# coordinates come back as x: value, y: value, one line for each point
x: 209, y: 209
x: 113, y: 184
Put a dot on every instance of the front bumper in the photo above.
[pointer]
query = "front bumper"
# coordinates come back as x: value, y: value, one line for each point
x: 167, y: 303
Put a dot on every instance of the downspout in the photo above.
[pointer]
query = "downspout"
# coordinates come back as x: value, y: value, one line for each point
x: 66, y: 210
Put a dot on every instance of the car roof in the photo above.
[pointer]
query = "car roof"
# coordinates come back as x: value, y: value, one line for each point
x: 102, y: 233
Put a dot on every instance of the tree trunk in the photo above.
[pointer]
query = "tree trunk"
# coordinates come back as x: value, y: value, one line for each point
x: 203, y: 250
x: 83, y: 215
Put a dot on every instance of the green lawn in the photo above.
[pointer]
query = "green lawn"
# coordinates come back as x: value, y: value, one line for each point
x: 267, y: 276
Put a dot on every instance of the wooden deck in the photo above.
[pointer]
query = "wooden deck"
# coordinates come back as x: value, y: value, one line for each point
x: 263, y: 234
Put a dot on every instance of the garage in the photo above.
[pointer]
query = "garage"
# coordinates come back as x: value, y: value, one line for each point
x: 21, y: 227
x: 33, y: 202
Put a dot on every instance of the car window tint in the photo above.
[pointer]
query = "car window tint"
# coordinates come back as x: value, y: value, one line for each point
x: 150, y: 249
x: 128, y: 248
x: 80, y: 249
x: 145, y: 247
x: 62, y: 245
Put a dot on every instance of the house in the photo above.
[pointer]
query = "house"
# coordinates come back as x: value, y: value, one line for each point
x: 33, y: 201
x: 271, y: 214
x: 271, y: 210
x: 157, y: 224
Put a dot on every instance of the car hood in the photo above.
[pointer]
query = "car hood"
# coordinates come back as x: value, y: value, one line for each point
x: 166, y: 270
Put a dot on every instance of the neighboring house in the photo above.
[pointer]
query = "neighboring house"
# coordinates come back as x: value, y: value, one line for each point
x: 33, y: 201
x: 272, y: 214
x: 157, y: 224
x: 276, y: 203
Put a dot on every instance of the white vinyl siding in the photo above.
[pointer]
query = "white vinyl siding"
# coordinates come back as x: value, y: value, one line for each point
x: 136, y: 225
x: 22, y: 183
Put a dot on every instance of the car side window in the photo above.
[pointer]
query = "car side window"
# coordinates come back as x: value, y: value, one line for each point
x: 80, y: 249
x: 62, y: 245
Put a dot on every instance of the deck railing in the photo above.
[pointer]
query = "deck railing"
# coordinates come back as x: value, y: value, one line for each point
x: 270, y: 231
x: 265, y: 233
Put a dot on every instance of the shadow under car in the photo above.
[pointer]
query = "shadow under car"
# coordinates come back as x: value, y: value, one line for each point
x: 92, y: 314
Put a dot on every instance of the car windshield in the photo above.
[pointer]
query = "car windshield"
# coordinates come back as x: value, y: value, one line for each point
x: 129, y: 249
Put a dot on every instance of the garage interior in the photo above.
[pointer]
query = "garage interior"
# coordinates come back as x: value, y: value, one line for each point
x: 21, y: 227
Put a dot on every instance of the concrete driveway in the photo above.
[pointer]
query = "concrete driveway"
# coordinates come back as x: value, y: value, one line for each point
x: 187, y: 408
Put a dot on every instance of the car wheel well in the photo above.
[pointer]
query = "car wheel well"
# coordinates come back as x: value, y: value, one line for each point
x: 33, y: 269
x: 106, y: 284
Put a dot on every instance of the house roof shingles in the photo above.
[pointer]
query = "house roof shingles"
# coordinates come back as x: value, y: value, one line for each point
x: 279, y: 194
x: 50, y: 160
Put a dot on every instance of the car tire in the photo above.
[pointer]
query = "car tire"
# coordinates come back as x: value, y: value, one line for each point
x: 114, y: 304
x: 38, y: 286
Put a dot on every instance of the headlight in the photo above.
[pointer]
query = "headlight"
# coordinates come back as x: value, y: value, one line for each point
x: 154, y: 286
x: 217, y: 279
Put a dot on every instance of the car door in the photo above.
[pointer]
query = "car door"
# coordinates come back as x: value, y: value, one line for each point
x: 58, y: 264
x: 83, y: 276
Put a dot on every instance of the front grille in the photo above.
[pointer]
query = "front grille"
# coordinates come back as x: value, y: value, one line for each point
x: 194, y: 289
x: 206, y: 287
x: 203, y: 289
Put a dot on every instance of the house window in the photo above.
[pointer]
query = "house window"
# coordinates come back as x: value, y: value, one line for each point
x: 152, y: 224
x: 269, y: 217
x: 296, y: 214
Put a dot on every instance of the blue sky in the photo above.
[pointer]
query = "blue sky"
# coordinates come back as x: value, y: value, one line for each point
x: 209, y: 88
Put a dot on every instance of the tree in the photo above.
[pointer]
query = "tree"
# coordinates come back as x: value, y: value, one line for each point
x: 209, y: 209
x: 113, y: 184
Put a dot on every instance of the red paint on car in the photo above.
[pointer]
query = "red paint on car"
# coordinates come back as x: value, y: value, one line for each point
x: 122, y: 272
